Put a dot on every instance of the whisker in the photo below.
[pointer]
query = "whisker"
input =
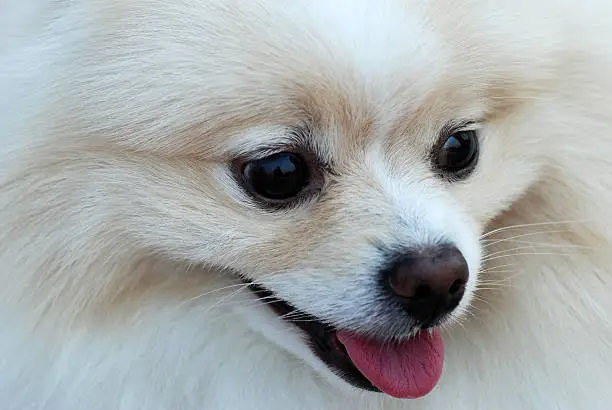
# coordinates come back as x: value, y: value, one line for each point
x: 493, y: 281
x: 299, y: 320
x: 553, y: 245
x: 529, y: 253
x: 529, y: 225
x: 493, y: 268
x: 505, y: 251
x: 216, y: 290
x: 494, y: 241
x: 220, y: 301
x: 266, y: 300
x: 494, y: 288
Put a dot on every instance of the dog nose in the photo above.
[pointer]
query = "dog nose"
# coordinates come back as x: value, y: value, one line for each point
x: 429, y: 284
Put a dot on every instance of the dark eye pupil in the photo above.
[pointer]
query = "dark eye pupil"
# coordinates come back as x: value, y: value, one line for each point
x: 458, y: 152
x: 277, y: 177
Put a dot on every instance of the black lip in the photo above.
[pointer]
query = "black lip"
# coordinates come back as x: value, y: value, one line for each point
x: 321, y: 337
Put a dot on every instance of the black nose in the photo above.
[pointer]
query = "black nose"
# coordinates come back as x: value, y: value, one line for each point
x: 430, y: 283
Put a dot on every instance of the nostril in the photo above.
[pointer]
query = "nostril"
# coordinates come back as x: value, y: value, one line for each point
x: 457, y: 287
x: 421, y: 292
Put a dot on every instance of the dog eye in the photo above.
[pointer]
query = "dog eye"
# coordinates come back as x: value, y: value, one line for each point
x: 457, y: 155
x: 278, y: 177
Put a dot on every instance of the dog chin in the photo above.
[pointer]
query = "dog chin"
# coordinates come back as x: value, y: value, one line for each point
x: 289, y: 339
x: 349, y: 361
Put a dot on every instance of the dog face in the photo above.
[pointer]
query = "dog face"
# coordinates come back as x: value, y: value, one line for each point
x: 342, y: 163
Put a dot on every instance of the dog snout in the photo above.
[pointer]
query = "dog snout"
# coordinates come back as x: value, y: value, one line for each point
x: 429, y: 283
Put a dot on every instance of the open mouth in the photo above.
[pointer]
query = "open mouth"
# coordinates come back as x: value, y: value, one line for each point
x: 407, y: 369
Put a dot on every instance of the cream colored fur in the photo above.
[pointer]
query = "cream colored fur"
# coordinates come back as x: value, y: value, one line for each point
x: 117, y: 121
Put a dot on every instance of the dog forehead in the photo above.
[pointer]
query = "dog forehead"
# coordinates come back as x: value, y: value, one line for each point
x: 376, y: 39
x: 350, y: 75
x: 349, y: 68
x: 367, y: 49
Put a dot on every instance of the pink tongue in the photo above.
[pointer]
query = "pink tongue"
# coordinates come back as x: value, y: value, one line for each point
x: 407, y: 370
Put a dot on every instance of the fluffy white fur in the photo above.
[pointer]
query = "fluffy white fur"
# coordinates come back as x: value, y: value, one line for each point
x: 117, y: 210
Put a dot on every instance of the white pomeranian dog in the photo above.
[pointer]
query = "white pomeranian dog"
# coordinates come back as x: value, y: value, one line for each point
x: 305, y: 205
